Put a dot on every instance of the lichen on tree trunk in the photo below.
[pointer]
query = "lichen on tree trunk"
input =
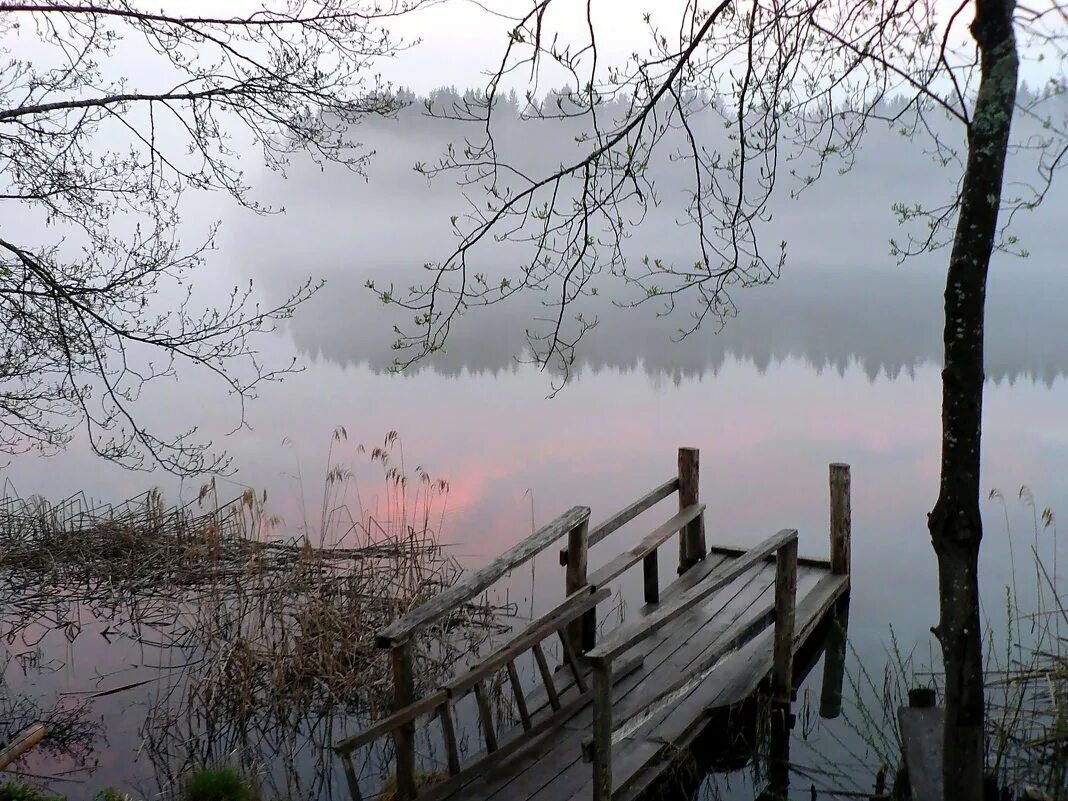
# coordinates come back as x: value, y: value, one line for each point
x: 955, y: 523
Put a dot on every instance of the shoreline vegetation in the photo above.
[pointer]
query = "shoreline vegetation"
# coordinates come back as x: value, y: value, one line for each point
x: 263, y: 643
x: 1025, y: 678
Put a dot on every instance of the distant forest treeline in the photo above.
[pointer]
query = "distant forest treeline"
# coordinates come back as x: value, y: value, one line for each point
x: 842, y: 298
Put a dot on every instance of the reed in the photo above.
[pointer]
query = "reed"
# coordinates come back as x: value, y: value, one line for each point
x: 1025, y: 674
x: 270, y: 634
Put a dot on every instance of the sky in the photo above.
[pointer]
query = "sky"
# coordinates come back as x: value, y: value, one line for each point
x: 457, y: 41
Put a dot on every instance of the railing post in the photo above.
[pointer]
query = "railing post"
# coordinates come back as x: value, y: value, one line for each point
x: 841, y: 519
x: 651, y: 578
x: 692, y: 539
x: 785, y: 605
x: 602, y: 730
x: 404, y: 735
x: 582, y: 633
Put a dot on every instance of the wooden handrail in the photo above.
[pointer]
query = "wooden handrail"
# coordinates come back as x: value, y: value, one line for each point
x: 628, y: 513
x: 718, y: 579
x: 387, y: 724
x: 650, y: 543
x: 539, y: 630
x: 474, y: 583
x: 542, y: 628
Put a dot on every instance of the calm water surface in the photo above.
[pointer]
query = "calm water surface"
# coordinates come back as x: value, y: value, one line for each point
x: 835, y: 362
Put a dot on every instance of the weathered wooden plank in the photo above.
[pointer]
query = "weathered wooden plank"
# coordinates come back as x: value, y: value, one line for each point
x: 682, y: 720
x: 571, y: 609
x: 550, y: 767
x: 921, y: 740
x: 629, y: 636
x: 731, y: 552
x: 537, y: 631
x: 648, y: 545
x: 675, y: 685
x: 738, y: 678
x: 624, y: 516
x: 538, y: 700
x: 539, y: 774
x: 810, y: 611
x: 536, y: 779
x: 477, y: 581
x: 679, y: 648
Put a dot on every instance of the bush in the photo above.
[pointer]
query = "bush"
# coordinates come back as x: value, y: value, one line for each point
x: 217, y: 784
x: 20, y: 791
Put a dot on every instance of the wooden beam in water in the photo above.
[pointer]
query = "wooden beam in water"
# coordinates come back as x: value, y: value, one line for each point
x: 921, y: 741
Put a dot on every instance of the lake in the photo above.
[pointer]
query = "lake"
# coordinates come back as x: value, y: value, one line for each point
x: 838, y: 360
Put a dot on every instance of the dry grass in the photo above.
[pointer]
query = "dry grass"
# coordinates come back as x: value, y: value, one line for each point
x: 275, y: 633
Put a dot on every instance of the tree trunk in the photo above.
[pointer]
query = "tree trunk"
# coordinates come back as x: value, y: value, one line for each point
x: 955, y: 523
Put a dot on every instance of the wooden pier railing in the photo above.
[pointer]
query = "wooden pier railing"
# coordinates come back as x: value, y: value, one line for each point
x: 573, y: 622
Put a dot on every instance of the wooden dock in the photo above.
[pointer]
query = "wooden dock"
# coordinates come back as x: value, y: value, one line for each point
x: 610, y: 720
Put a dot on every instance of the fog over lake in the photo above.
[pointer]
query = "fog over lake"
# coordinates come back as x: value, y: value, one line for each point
x: 836, y: 360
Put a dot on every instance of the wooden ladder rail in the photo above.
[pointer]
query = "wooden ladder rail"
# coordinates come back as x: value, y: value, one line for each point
x: 439, y: 703
x: 601, y: 658
x: 397, y: 637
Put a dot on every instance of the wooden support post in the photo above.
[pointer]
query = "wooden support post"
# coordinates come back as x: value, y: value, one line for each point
x: 782, y: 672
x: 692, y: 547
x: 520, y: 698
x: 448, y: 734
x: 785, y: 606
x: 485, y: 716
x: 602, y: 730
x: 350, y: 777
x: 651, y: 574
x: 841, y: 519
x: 546, y: 677
x: 582, y: 632
x: 571, y: 658
x: 404, y: 735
